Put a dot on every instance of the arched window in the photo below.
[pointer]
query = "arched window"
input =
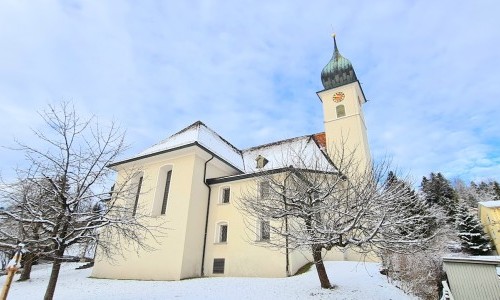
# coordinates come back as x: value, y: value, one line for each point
x: 162, y: 190
x: 340, y: 111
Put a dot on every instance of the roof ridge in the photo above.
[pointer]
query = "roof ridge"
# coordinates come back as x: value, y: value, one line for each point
x: 278, y: 142
x: 198, y: 124
x: 194, y: 125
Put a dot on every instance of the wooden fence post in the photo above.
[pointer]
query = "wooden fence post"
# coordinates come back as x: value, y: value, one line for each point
x: 12, y: 268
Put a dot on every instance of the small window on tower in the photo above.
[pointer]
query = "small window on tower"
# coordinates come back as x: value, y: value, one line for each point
x: 340, y: 111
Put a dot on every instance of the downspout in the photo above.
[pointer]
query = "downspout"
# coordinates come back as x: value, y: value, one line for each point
x: 286, y: 243
x: 206, y: 218
x: 286, y: 230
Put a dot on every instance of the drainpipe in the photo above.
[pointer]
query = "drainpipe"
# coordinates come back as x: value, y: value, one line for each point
x: 206, y: 218
x: 286, y: 230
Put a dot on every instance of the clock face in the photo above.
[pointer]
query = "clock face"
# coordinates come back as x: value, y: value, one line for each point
x: 338, y: 96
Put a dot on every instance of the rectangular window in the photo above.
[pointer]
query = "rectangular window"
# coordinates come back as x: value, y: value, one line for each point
x: 219, y: 265
x: 165, y: 193
x: 340, y: 111
x: 139, y: 184
x: 265, y: 231
x: 265, y: 187
x: 223, y: 234
x: 226, y: 193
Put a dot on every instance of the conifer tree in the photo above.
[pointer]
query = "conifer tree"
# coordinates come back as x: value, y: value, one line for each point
x: 437, y: 190
x: 486, y: 191
x: 470, y: 232
x: 466, y: 194
x: 496, y: 189
x: 415, y: 207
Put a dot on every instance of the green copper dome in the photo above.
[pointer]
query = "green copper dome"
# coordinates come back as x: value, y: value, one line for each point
x: 338, y: 71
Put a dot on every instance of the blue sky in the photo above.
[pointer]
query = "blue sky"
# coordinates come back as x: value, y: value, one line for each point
x: 251, y: 69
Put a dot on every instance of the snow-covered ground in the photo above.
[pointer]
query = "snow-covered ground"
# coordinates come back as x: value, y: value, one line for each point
x: 353, y: 281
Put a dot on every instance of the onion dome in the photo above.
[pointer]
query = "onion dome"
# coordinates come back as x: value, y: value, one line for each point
x: 338, y: 71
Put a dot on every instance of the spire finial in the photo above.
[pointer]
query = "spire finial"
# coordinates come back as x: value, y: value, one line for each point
x: 335, y: 42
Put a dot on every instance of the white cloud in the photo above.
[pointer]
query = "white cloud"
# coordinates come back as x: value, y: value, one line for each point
x: 250, y: 71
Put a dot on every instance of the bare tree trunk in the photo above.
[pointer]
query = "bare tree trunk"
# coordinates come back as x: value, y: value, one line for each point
x: 83, y: 252
x: 29, y: 258
x: 320, y: 268
x: 54, y: 275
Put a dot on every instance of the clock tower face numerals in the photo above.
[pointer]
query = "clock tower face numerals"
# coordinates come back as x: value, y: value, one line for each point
x: 338, y: 97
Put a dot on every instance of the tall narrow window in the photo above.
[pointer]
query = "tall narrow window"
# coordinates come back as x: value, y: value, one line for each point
x: 265, y: 230
x: 226, y: 194
x: 223, y: 233
x: 165, y: 193
x: 340, y: 111
x: 265, y: 188
x: 138, y: 193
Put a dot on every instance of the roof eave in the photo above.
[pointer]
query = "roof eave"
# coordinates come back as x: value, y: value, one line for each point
x: 172, y: 150
x: 359, y: 84
x: 260, y: 173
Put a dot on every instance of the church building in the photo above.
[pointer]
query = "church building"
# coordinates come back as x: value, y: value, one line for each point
x: 193, y: 180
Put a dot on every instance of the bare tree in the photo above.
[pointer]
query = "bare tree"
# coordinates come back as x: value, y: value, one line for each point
x: 21, y: 195
x: 68, y: 169
x: 315, y: 206
x: 7, y: 244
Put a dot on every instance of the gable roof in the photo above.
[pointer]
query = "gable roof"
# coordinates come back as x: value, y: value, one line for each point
x: 195, y: 134
x: 279, y: 154
x: 289, y: 152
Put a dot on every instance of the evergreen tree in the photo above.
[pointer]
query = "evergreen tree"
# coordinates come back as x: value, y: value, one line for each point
x: 486, y: 191
x: 470, y: 232
x: 466, y: 193
x: 415, y: 207
x: 437, y: 190
x: 496, y: 189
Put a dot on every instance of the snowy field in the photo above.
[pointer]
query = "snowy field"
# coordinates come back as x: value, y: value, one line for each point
x: 353, y: 281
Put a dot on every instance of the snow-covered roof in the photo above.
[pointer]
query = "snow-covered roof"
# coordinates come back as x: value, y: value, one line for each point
x: 295, y: 151
x: 299, y: 152
x: 488, y: 259
x: 490, y: 204
x: 196, y: 133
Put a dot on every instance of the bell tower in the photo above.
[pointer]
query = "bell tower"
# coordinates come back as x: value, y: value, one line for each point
x: 343, y: 100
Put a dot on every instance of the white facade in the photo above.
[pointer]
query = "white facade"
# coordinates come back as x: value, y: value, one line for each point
x: 193, y: 180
